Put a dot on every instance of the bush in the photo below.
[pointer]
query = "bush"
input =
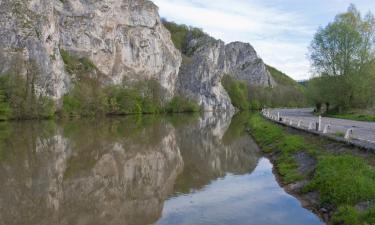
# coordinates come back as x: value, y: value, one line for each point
x: 181, y: 105
x: 18, y: 98
x: 124, y: 101
x: 85, y: 99
x: 5, y: 110
x: 238, y: 92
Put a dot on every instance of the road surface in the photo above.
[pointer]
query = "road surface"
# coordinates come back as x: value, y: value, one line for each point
x: 364, y: 131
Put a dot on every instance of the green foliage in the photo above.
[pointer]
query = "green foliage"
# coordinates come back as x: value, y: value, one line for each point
x: 125, y: 101
x: 287, y: 92
x: 238, y: 92
x: 179, y: 105
x: 350, y: 215
x: 87, y: 98
x: 19, y: 100
x: 353, y: 116
x: 181, y: 34
x: 343, y: 56
x: 5, y: 110
x: 76, y: 65
x: 344, y: 179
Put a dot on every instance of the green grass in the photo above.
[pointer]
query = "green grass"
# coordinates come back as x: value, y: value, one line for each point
x: 356, y: 117
x: 342, y: 181
x: 351, y: 216
x: 272, y: 139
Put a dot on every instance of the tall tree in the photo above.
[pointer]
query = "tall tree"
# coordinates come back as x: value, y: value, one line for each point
x: 343, y: 49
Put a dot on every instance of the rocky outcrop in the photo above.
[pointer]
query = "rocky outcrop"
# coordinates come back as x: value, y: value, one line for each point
x: 200, y: 76
x: 123, y: 38
x: 126, y: 41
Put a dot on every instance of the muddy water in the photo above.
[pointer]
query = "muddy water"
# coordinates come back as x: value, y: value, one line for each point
x: 183, y: 169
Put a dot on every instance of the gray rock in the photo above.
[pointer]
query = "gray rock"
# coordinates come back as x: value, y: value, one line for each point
x: 123, y: 38
x: 126, y: 40
x: 200, y: 76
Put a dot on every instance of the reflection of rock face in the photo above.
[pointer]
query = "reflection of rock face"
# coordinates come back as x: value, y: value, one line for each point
x: 125, y: 182
x: 210, y: 150
x: 117, y: 171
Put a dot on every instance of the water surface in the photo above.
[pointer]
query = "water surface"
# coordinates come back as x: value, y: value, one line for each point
x: 182, y: 169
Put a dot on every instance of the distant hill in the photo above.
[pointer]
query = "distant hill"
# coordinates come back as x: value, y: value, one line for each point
x: 283, y: 79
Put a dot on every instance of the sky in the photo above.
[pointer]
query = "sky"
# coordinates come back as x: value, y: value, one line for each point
x: 279, y: 30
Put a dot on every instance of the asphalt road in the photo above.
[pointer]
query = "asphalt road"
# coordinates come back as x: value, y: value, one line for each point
x: 361, y: 130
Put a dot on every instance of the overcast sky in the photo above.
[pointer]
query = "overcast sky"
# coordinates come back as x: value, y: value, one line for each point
x: 279, y: 30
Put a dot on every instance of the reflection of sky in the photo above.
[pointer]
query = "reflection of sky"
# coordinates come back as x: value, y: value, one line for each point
x: 254, y: 199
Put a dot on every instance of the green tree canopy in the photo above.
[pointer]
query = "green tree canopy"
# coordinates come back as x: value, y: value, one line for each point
x: 342, y: 55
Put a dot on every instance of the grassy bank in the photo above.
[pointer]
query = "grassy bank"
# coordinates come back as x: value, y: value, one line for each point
x: 354, y: 116
x: 344, y: 182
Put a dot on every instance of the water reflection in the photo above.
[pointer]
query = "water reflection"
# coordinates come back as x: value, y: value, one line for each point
x: 119, y: 170
x: 254, y: 198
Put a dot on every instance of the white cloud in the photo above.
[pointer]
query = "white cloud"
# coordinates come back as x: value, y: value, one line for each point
x: 280, y: 30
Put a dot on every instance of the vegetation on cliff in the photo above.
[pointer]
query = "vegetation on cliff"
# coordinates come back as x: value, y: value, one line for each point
x: 287, y: 92
x: 343, y: 180
x: 19, y: 97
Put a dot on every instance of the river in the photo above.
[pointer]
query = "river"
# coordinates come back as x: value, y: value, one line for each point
x: 140, y: 170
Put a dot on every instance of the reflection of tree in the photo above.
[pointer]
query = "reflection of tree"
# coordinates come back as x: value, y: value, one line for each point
x: 212, y: 148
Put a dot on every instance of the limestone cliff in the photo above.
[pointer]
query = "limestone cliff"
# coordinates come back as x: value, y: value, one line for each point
x: 123, y: 38
x: 126, y: 41
x: 200, y: 75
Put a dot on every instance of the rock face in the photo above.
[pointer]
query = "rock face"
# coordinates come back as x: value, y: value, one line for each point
x: 123, y: 38
x: 200, y: 77
x: 126, y: 41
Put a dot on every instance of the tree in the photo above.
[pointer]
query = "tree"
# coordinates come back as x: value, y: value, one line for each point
x: 341, y: 54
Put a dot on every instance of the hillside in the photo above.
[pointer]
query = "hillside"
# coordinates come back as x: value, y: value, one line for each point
x: 265, y: 84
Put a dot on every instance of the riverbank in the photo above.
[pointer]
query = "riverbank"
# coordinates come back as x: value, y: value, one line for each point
x: 335, y: 181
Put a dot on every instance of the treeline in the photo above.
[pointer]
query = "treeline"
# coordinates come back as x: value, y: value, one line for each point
x: 343, y: 56
x: 20, y: 97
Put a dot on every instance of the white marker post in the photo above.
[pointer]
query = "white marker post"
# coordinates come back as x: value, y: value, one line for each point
x: 320, y: 123
x: 311, y: 125
x: 278, y: 116
x: 349, y: 134
x: 326, y: 128
x: 299, y: 123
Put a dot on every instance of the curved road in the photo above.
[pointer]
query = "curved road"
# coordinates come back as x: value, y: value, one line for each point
x: 364, y: 131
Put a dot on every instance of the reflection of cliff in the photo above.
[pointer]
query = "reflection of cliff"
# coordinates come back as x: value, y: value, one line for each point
x: 115, y: 172
x: 213, y: 147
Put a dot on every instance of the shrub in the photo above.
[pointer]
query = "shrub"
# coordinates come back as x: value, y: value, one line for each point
x: 179, y: 105
x: 5, y: 110
x: 85, y: 99
x: 18, y: 98
x: 124, y: 101
x: 238, y: 92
